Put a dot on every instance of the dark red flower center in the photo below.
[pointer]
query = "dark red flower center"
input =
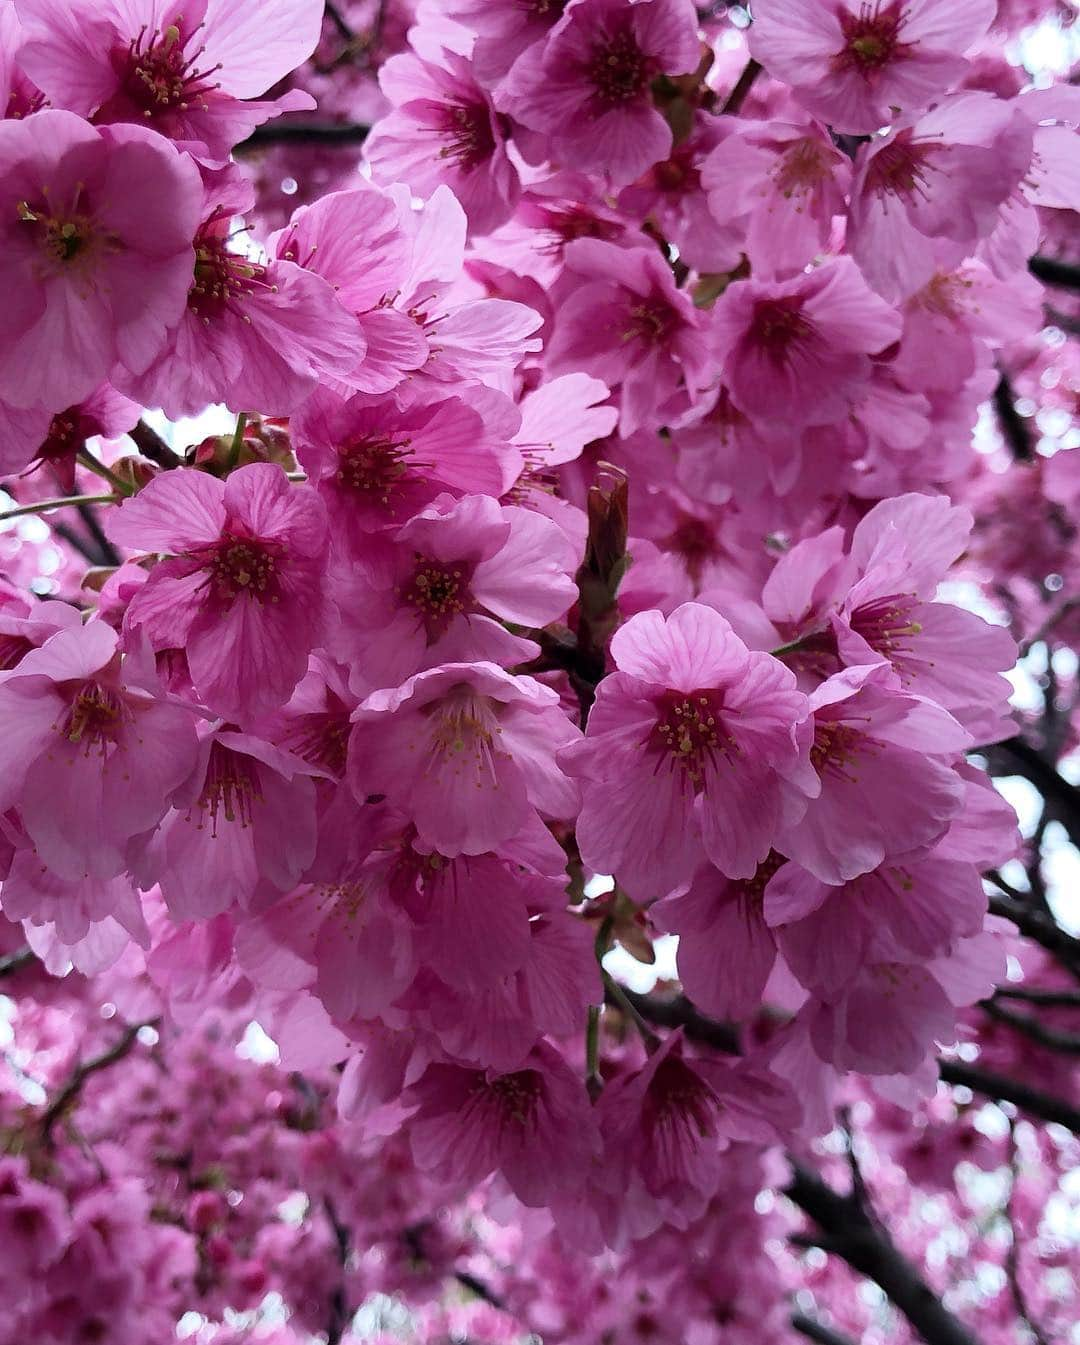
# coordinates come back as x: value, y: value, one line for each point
x: 159, y: 76
x: 836, y: 748
x: 779, y: 328
x: 871, y: 37
x: 902, y: 167
x: 374, y: 466
x: 516, y: 1095
x: 94, y: 717
x: 243, y: 567
x: 619, y: 70
x: 439, y: 591
x: 689, y: 733
x: 223, y: 279
x: 469, y: 139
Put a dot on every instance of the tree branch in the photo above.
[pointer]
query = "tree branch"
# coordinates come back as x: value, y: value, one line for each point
x: 732, y: 105
x: 1000, y: 1088
x: 1035, y: 925
x: 857, y: 1237
x: 818, y: 1331
x: 69, y: 1093
x: 1053, y: 1038
x: 1054, y: 272
x: 151, y: 445
x: 330, y: 135
x: 1014, y: 427
x: 13, y: 962
x: 679, y: 1012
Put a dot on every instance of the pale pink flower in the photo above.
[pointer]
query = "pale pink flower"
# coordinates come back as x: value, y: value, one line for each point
x: 443, y: 129
x: 688, y: 753
x: 242, y: 829
x: 624, y: 321
x: 885, y: 786
x: 856, y: 64
x: 534, y: 1126
x: 239, y: 591
x: 944, y: 175
x: 726, y: 948
x: 376, y: 462
x: 89, y: 754
x: 442, y: 591
x: 96, y: 231
x: 798, y: 351
x: 467, y: 752
x: 353, y: 239
x: 191, y: 70
x: 252, y: 333
x: 777, y: 186
x: 587, y: 89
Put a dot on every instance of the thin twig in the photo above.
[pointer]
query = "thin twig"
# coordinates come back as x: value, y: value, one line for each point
x: 61, y: 502
x: 330, y: 135
x: 10, y: 963
x: 818, y: 1331
x: 1001, y: 1088
x: 1012, y: 1256
x: 1054, y: 1039
x: 151, y: 445
x: 69, y: 1093
x: 735, y: 99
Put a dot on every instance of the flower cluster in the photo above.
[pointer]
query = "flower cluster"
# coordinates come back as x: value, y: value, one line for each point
x: 572, y: 575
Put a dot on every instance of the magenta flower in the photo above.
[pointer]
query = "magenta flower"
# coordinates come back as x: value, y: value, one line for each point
x: 95, y: 239
x: 798, y: 351
x: 625, y: 322
x: 444, y: 130
x: 726, y: 948
x: 242, y: 829
x: 778, y: 185
x: 856, y: 65
x: 589, y: 89
x: 944, y: 176
x: 188, y: 69
x: 884, y: 788
x: 467, y: 752
x: 454, y: 574
x: 87, y: 755
x: 689, y: 752
x: 253, y: 333
x: 533, y: 1126
x: 376, y: 463
x: 912, y: 910
x: 353, y: 239
x: 239, y: 590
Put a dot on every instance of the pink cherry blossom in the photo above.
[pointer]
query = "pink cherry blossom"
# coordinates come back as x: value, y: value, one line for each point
x: 92, y: 281
x: 444, y: 130
x: 856, y: 65
x: 815, y: 331
x: 587, y: 90
x: 688, y: 753
x: 90, y: 758
x: 235, y: 592
x: 192, y: 72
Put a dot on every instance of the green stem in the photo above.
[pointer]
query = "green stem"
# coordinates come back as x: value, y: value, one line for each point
x: 616, y: 993
x: 64, y: 502
x: 99, y: 469
x: 237, y: 442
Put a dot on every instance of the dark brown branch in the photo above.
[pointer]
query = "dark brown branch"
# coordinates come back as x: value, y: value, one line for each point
x: 1063, y: 799
x: 818, y: 1331
x: 735, y: 99
x: 1014, y: 427
x: 1052, y: 999
x: 69, y: 1093
x: 999, y: 1087
x: 13, y: 962
x: 679, y: 1012
x: 339, y: 1307
x: 1037, y: 927
x: 330, y: 135
x: 107, y: 553
x: 477, y: 1287
x: 1053, y: 1038
x: 151, y: 445
x: 851, y: 1232
x: 1054, y: 272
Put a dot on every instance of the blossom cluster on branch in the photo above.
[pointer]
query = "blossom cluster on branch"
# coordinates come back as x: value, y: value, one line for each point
x: 589, y: 559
